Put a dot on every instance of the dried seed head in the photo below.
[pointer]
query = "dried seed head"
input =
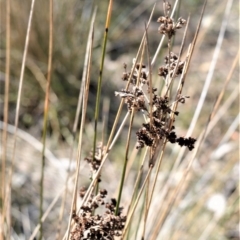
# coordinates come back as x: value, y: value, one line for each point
x: 173, y: 65
x: 134, y: 98
x: 168, y: 26
x: 91, y: 227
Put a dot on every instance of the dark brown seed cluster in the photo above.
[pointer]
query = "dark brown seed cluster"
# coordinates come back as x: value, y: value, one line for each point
x: 158, y: 128
x: 94, y: 227
x: 134, y: 98
x: 168, y: 26
x: 139, y: 72
x: 172, y: 65
x: 149, y: 134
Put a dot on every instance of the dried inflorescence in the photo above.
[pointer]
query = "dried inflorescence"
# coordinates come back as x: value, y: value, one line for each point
x: 158, y: 109
x: 149, y: 136
x: 168, y: 26
x: 139, y: 71
x: 172, y: 67
x: 159, y: 127
x: 95, y: 161
x: 134, y: 98
x: 151, y: 133
x: 94, y: 227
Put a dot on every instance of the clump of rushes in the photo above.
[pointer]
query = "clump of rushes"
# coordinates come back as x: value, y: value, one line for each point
x: 159, y: 111
x: 89, y: 226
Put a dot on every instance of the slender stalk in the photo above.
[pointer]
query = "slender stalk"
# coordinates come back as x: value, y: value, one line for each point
x: 97, y: 105
x: 3, y: 208
x: 8, y: 196
x: 128, y: 83
x: 136, y: 187
x: 46, y: 110
x: 84, y: 110
x: 165, y: 212
x: 125, y: 163
x: 212, y: 67
x: 145, y: 208
x: 130, y: 215
x: 85, y: 77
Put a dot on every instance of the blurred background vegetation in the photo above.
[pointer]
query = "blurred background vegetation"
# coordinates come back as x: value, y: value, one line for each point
x: 71, y: 26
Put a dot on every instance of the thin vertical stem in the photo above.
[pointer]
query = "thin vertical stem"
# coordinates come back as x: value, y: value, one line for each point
x: 5, y: 118
x: 46, y: 109
x: 97, y: 106
x: 8, y: 197
x: 125, y: 163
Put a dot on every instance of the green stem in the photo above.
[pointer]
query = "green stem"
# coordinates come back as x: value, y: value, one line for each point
x: 125, y: 163
x: 97, y: 106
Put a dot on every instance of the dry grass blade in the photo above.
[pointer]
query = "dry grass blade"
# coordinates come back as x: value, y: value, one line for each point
x: 84, y: 89
x: 8, y: 196
x: 225, y: 84
x: 46, y: 109
x: 47, y: 212
x: 3, y: 208
x: 84, y: 108
x: 211, y: 68
x: 128, y: 140
x: 209, y: 77
x: 130, y: 215
x: 165, y: 211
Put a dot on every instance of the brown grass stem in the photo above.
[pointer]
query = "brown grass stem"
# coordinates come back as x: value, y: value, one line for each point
x: 8, y: 197
x: 3, y: 208
x: 130, y: 215
x: 164, y: 212
x: 46, y: 109
x: 86, y: 76
x: 84, y: 109
x: 212, y: 66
